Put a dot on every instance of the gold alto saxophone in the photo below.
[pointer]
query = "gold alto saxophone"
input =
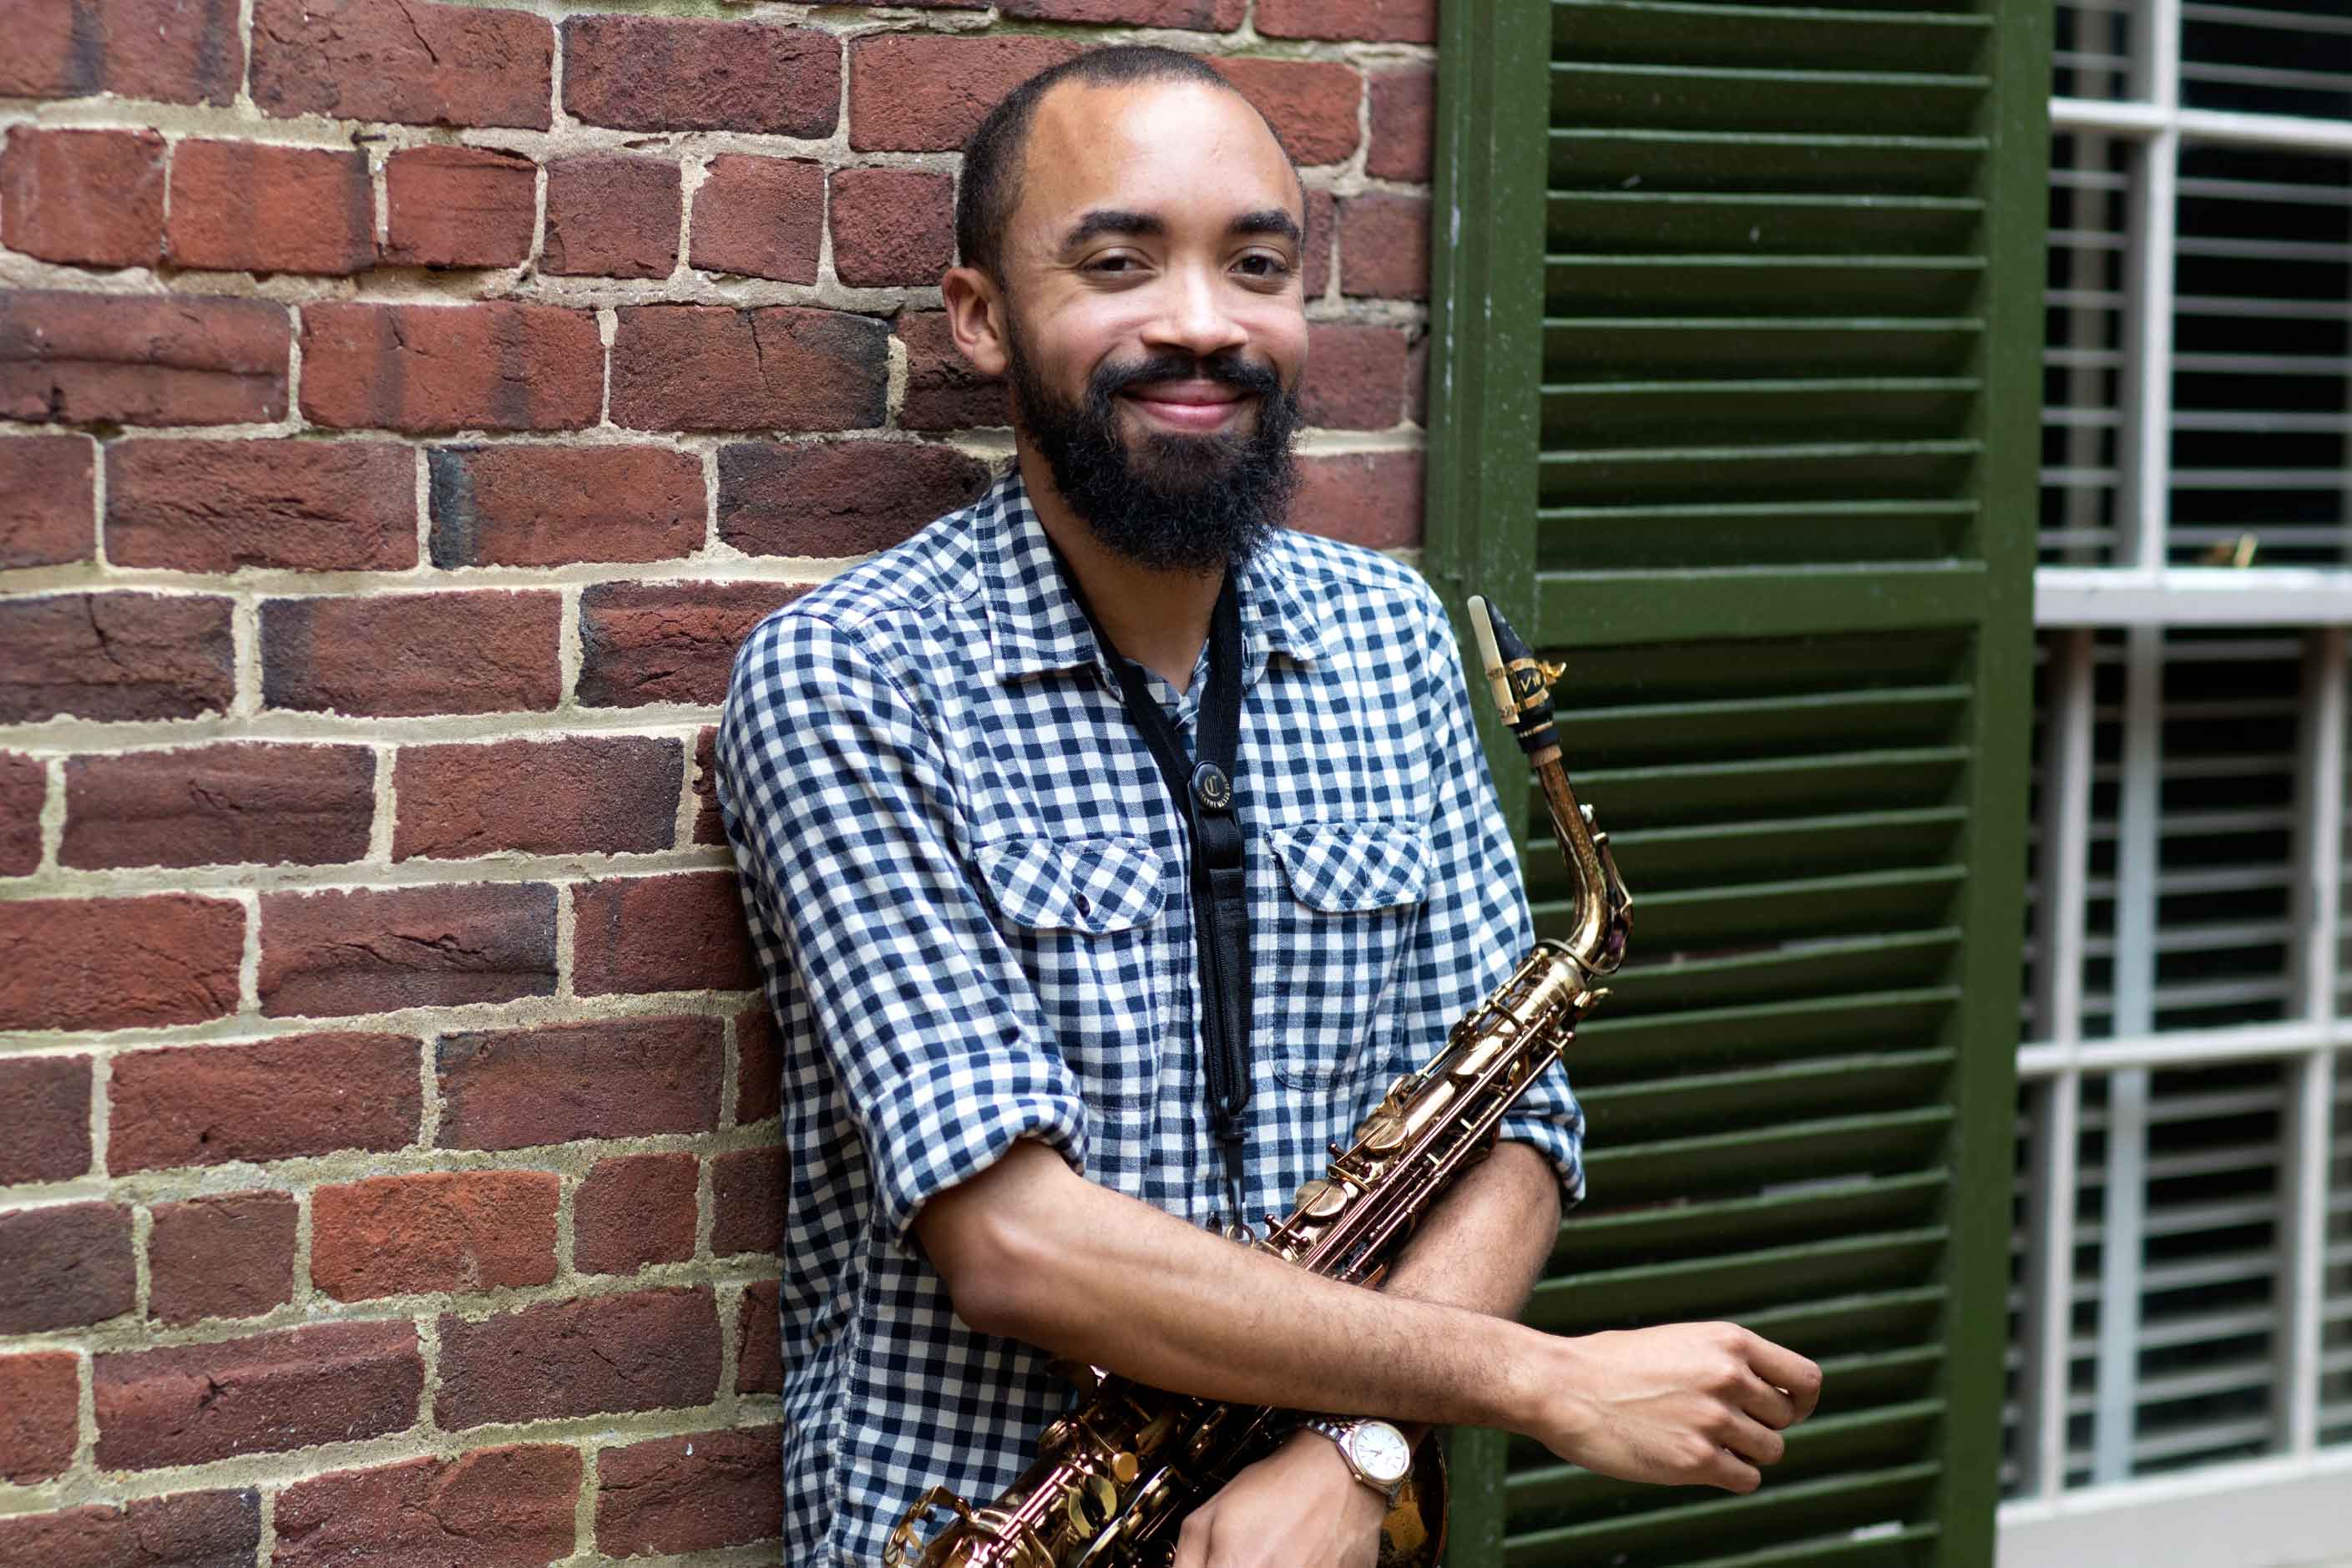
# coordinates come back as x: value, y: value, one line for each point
x: 1115, y: 1477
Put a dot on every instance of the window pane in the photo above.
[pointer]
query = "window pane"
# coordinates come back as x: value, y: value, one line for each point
x: 2267, y: 57
x: 2083, y: 358
x: 2091, y: 52
x: 2263, y: 356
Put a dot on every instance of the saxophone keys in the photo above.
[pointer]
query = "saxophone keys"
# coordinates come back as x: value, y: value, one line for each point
x: 1383, y: 1131
x: 1320, y: 1200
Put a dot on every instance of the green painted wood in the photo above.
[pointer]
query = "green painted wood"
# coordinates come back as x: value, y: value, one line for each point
x: 1767, y: 488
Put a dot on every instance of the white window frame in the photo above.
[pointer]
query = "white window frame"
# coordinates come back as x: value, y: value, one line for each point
x: 2295, y: 1506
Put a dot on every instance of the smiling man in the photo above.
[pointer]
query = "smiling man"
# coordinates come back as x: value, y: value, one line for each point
x: 1109, y: 848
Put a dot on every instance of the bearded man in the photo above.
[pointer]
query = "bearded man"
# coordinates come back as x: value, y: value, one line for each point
x: 1016, y: 1115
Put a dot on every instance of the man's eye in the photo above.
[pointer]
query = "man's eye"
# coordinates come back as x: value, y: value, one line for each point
x: 1113, y: 264
x: 1262, y: 264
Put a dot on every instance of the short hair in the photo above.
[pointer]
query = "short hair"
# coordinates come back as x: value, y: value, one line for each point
x: 990, y: 187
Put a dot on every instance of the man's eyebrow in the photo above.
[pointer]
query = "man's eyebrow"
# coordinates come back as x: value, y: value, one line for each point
x: 1269, y: 220
x: 1112, y: 220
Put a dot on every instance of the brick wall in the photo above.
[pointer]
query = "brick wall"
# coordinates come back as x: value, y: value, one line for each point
x: 405, y: 407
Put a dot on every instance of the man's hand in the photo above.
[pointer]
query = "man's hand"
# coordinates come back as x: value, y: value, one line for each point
x: 1299, y: 1507
x: 1684, y: 1403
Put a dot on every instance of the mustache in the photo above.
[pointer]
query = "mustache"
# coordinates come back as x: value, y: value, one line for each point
x: 1230, y: 370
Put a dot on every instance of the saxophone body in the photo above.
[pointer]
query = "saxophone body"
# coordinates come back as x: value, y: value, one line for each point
x: 1115, y: 1477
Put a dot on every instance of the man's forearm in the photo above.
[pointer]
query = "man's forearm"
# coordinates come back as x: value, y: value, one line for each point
x: 1037, y: 1253
x: 1482, y: 1244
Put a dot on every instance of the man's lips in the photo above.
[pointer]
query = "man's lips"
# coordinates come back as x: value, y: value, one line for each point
x: 1192, y: 404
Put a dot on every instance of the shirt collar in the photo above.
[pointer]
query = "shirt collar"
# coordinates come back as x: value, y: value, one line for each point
x: 1038, y: 627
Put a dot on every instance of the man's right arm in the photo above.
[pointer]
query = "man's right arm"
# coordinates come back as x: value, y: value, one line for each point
x: 1032, y: 1251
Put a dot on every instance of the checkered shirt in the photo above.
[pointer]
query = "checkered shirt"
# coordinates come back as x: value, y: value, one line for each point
x: 970, y: 895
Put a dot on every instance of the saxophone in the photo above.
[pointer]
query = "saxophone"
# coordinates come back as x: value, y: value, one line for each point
x: 1115, y: 1477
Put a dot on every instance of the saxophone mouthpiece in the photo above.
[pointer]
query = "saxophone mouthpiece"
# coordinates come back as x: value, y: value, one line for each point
x: 1521, y: 682
x: 1483, y: 624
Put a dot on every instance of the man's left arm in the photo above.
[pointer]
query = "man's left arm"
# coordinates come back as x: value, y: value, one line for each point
x: 1482, y: 1244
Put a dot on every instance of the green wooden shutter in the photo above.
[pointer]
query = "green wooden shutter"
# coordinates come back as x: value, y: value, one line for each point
x: 1734, y: 385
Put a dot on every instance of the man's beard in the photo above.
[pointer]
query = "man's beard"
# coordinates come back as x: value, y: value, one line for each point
x: 1172, y: 502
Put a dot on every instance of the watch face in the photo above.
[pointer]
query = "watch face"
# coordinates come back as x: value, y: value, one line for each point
x: 1380, y: 1451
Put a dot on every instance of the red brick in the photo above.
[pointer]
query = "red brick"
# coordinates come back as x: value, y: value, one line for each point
x: 49, y: 1119
x: 943, y: 391
x: 40, y: 1395
x: 67, y: 1265
x: 227, y: 1256
x: 86, y: 359
x: 115, y: 655
x: 245, y: 207
x: 892, y: 226
x: 1322, y: 224
x: 925, y: 93
x: 1200, y: 15
x: 1382, y: 21
x: 48, y: 501
x: 615, y: 1077
x: 707, y: 826
x: 118, y: 963
x: 580, y: 793
x: 656, y: 73
x: 690, y: 1494
x: 759, y: 1341
x: 1365, y: 498
x: 678, y: 932
x: 23, y: 791
x: 407, y: 60
x: 648, y: 1350
x: 746, y: 1201
x: 713, y: 367
x: 1355, y: 376
x: 450, y: 1230
x: 180, y: 51
x: 304, y: 506
x: 1403, y: 124
x: 186, y: 1530
x: 550, y: 506
x: 1384, y: 246
x: 632, y: 1210
x: 372, y: 949
x: 459, y: 206
x: 667, y: 642
x: 1311, y: 103
x: 758, y: 1066
x: 494, y: 1508
x: 273, y: 1100
x: 232, y: 803
x: 88, y: 197
x: 478, y: 651
x: 1416, y: 381
x: 266, y: 1393
x: 612, y: 216
x: 433, y: 368
x: 835, y: 498
x: 761, y: 217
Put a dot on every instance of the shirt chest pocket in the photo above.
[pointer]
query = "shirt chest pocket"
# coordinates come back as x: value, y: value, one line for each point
x: 1081, y: 916
x: 1340, y: 921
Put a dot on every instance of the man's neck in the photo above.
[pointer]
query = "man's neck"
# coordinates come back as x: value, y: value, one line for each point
x: 1159, y: 619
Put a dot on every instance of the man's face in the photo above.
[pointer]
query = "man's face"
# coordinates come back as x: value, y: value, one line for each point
x: 1157, y: 322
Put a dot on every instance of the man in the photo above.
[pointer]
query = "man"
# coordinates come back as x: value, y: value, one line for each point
x: 972, y: 897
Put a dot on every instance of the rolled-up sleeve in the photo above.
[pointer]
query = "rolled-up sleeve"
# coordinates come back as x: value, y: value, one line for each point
x: 840, y: 806
x: 1476, y: 926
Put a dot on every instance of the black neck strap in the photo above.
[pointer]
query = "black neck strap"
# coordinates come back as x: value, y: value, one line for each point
x: 1203, y: 791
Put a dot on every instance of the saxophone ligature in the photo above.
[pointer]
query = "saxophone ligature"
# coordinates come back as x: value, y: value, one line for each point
x: 1115, y: 1475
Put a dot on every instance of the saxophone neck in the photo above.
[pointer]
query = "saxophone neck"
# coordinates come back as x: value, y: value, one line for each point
x: 1521, y: 685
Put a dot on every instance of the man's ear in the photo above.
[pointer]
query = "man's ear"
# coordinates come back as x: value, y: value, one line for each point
x: 976, y: 315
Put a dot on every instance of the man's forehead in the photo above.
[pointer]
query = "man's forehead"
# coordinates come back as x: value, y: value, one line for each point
x: 1121, y: 145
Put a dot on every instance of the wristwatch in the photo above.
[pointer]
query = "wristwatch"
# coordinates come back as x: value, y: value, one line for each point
x: 1375, y: 1450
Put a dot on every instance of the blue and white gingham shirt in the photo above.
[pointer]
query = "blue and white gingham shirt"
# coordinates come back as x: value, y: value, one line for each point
x: 970, y: 896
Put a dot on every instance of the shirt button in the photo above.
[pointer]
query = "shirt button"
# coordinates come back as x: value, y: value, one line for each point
x: 1086, y: 905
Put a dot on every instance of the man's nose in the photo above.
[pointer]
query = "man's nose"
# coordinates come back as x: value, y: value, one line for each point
x: 1194, y: 315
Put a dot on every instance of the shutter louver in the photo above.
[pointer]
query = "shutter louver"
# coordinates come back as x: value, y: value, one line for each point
x: 1773, y: 544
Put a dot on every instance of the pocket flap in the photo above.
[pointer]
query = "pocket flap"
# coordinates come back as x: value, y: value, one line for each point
x: 1091, y: 885
x: 1339, y: 866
